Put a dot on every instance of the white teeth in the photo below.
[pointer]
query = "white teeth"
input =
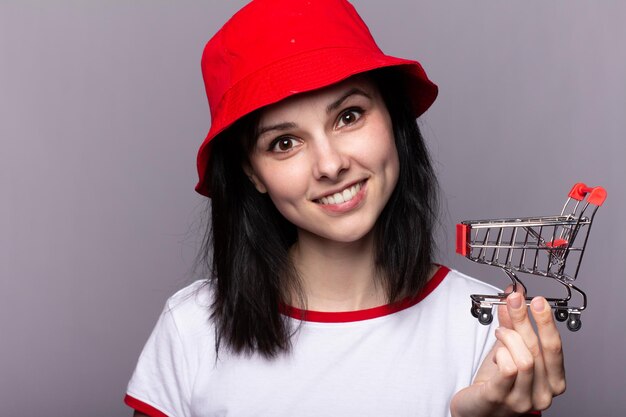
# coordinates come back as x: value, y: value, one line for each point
x: 346, y: 195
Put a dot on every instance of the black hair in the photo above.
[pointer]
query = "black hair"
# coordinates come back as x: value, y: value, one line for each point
x: 251, y: 271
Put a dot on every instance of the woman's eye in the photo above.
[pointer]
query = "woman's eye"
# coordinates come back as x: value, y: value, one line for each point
x: 283, y: 144
x: 349, y: 116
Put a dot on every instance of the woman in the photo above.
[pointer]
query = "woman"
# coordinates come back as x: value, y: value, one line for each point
x: 324, y: 297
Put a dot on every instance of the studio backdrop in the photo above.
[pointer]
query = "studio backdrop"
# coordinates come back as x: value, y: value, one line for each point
x: 102, y: 110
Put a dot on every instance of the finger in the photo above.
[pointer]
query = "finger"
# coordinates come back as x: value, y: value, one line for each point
x: 523, y: 360
x: 503, y: 314
x: 551, y: 344
x: 518, y: 313
x: 542, y: 389
x: 499, y: 387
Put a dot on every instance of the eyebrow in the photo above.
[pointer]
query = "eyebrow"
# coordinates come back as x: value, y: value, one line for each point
x: 351, y: 92
x: 279, y: 126
x: 332, y: 106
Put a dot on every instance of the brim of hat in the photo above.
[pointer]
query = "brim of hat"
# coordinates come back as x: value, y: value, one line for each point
x: 303, y: 73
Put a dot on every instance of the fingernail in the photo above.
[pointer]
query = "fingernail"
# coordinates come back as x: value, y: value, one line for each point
x: 515, y: 300
x: 538, y: 305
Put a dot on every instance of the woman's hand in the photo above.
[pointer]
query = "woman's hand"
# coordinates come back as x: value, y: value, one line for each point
x: 523, y: 371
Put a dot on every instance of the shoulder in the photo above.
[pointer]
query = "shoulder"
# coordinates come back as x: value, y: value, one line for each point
x: 455, y: 291
x: 198, y: 294
x: 472, y: 339
x: 189, y: 309
x: 181, y: 340
x: 449, y: 283
x: 185, y: 322
x: 461, y: 282
x: 449, y: 305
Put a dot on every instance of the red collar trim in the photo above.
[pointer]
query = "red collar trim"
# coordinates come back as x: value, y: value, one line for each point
x: 370, y: 313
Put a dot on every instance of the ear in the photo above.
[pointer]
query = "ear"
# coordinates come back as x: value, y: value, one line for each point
x: 258, y: 184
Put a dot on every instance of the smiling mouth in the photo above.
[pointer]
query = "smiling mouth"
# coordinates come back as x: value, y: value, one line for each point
x: 341, y: 197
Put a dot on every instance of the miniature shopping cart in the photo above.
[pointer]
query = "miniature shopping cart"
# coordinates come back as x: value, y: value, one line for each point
x: 550, y: 247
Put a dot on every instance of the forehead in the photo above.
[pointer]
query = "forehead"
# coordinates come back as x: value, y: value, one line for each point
x: 317, y: 99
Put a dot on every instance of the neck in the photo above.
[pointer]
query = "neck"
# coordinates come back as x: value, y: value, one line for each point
x: 337, y: 276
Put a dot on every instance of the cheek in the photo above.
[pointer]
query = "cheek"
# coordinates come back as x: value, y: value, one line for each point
x: 285, y: 184
x: 384, y: 152
x: 392, y: 167
x: 389, y: 162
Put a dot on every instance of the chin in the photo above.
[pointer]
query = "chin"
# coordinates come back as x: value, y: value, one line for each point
x: 347, y: 236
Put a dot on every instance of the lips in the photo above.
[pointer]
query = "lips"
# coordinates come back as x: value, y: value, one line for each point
x: 342, y: 196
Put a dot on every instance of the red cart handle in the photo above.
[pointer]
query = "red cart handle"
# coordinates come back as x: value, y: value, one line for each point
x: 596, y: 196
x: 461, y: 239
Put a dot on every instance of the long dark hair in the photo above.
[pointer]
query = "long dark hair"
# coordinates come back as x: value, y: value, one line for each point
x: 251, y: 271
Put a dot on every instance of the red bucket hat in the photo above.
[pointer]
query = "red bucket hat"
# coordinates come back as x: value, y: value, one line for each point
x: 273, y: 49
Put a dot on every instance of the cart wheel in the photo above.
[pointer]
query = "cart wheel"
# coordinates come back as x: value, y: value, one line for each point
x: 574, y: 322
x: 475, y: 310
x: 485, y: 316
x: 561, y: 314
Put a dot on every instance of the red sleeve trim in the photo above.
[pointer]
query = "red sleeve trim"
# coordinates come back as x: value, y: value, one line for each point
x: 367, y: 314
x: 142, y: 407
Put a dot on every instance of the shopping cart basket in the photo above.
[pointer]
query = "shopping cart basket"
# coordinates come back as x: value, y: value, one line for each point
x: 550, y: 247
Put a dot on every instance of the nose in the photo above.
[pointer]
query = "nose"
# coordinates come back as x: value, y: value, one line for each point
x: 329, y: 161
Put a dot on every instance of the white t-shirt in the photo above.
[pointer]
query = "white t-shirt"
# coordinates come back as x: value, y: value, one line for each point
x: 406, y: 359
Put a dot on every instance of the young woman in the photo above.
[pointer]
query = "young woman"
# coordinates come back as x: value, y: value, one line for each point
x: 324, y: 298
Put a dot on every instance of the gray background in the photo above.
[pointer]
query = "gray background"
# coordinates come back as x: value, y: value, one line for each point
x: 102, y: 109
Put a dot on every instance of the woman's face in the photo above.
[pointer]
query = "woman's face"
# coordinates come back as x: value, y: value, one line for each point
x: 328, y: 159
